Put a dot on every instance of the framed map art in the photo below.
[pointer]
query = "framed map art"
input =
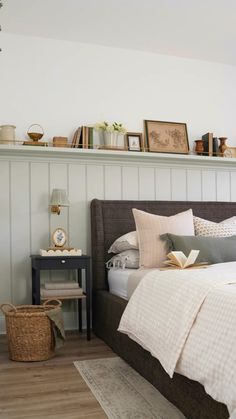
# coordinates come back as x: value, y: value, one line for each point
x: 166, y: 137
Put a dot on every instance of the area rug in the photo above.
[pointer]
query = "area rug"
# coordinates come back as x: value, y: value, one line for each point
x: 123, y: 393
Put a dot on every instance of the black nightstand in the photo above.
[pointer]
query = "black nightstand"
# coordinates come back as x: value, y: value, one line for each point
x: 77, y: 263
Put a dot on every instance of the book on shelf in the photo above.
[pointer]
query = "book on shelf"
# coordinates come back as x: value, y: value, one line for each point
x: 77, y: 138
x: 178, y: 260
x: 90, y: 137
x: 208, y: 143
x: 83, y: 137
x: 60, y: 292
x: 61, y: 285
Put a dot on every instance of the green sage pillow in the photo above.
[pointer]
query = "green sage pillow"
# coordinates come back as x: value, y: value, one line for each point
x: 212, y: 249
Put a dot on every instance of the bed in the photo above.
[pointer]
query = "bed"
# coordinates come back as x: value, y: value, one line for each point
x: 109, y: 220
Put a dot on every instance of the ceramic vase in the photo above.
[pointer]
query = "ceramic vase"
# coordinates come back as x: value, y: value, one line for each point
x: 199, y: 147
x: 223, y: 145
x: 110, y: 138
x: 7, y: 134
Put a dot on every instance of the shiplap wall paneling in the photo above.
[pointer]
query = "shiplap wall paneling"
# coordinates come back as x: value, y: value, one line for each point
x: 95, y: 189
x: 113, y: 182
x: 58, y: 179
x: 147, y: 183
x: 39, y: 207
x: 163, y: 184
x: 78, y: 206
x: 78, y: 218
x: 178, y: 185
x: 233, y: 186
x: 130, y: 182
x: 209, y: 185
x: 194, y: 185
x: 20, y: 232
x: 5, y: 245
x: 223, y: 186
x: 39, y: 191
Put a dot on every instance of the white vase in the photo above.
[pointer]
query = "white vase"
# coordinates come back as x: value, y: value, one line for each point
x: 7, y: 134
x: 110, y: 138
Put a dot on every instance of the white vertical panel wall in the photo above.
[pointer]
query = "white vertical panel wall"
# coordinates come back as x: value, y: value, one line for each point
x: 26, y: 224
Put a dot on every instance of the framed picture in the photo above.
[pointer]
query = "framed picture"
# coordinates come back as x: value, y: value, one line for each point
x: 134, y: 141
x: 166, y: 137
x: 59, y: 237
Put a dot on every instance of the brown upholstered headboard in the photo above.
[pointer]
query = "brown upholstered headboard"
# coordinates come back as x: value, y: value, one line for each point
x: 111, y: 219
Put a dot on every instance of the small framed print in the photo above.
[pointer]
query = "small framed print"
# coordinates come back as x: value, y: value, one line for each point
x: 59, y: 237
x: 166, y: 137
x: 134, y: 141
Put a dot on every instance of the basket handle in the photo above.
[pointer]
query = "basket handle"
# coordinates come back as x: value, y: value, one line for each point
x: 9, y: 305
x: 36, y: 125
x: 59, y: 303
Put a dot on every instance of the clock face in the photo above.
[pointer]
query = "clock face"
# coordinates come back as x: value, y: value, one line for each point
x: 59, y: 237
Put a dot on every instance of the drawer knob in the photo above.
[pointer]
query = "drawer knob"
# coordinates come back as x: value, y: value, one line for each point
x: 63, y: 261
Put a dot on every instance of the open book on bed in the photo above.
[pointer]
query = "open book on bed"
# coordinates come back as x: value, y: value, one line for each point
x: 178, y: 260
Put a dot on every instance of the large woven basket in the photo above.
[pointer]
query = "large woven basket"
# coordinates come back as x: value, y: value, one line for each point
x: 29, y: 331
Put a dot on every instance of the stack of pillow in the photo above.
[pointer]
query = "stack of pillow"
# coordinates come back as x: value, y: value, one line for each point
x: 156, y: 235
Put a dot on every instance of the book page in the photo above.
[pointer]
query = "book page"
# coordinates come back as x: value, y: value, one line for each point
x: 178, y: 258
x: 191, y: 258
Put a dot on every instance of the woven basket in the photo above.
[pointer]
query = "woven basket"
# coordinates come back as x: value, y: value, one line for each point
x: 29, y: 331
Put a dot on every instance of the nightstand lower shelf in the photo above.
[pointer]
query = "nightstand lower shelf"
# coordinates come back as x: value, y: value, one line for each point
x: 64, y: 297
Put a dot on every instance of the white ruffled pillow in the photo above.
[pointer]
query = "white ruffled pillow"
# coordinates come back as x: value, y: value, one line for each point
x: 207, y: 228
x: 127, y: 259
x: 126, y: 242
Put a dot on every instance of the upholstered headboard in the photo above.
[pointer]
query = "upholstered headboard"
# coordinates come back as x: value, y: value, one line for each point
x: 111, y: 219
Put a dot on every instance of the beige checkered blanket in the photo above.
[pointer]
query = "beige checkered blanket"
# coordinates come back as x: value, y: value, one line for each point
x: 187, y: 320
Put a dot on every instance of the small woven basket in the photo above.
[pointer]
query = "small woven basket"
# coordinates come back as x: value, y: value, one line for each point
x: 29, y: 331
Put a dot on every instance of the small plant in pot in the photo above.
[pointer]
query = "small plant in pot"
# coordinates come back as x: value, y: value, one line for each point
x: 109, y: 133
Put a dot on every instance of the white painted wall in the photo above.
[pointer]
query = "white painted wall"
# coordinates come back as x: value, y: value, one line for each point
x: 63, y: 84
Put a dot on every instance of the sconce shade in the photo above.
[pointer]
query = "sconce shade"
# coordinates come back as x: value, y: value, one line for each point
x: 59, y: 198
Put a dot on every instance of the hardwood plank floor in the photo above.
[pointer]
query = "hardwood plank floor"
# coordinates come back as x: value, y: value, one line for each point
x: 50, y: 389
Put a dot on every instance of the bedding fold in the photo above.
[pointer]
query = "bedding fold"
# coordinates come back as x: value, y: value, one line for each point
x: 162, y: 316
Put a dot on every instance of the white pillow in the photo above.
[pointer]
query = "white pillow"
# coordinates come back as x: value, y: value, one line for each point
x: 127, y: 259
x: 126, y: 242
x: 207, y: 228
x: 150, y: 227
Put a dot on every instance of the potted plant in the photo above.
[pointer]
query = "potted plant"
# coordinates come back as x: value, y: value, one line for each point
x: 109, y: 133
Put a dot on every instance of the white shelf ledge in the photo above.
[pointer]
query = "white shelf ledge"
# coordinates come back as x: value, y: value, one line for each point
x: 21, y: 152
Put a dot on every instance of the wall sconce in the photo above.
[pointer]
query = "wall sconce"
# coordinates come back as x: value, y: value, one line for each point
x: 58, y: 199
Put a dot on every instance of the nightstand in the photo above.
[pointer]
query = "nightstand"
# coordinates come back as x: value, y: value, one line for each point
x: 77, y: 263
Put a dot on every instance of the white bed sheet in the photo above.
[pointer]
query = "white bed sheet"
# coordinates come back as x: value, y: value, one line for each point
x: 118, y: 281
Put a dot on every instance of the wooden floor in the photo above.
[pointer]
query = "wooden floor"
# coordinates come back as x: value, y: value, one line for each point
x: 51, y: 389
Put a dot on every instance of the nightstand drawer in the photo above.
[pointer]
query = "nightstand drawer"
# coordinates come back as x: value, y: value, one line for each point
x: 59, y: 262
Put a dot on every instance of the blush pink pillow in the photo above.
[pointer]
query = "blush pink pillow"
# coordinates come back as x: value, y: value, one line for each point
x: 149, y: 228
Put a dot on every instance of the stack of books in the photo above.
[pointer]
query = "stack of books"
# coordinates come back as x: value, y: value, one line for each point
x: 83, y: 138
x: 61, y: 289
